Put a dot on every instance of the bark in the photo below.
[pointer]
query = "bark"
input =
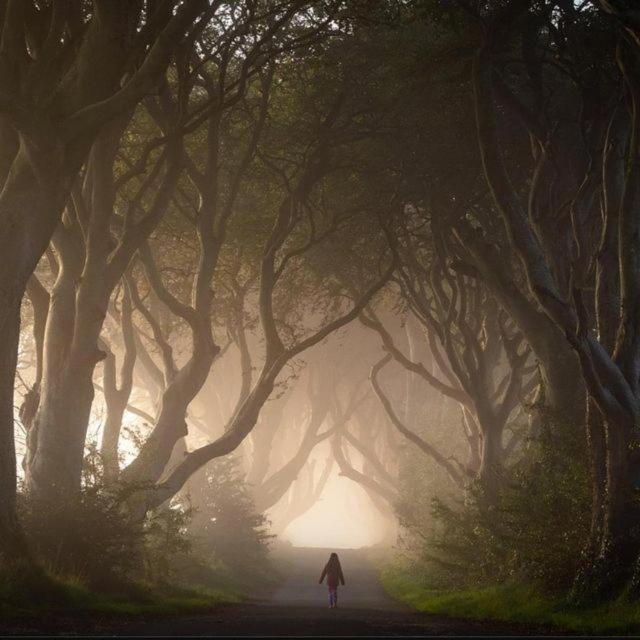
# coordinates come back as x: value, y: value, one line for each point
x: 117, y: 395
x: 39, y: 298
x: 12, y: 541
x: 491, y: 461
x: 58, y: 406
x: 58, y: 103
x: 596, y: 437
x: 171, y: 423
x: 22, y: 242
x: 474, y: 441
x: 562, y: 379
x: 412, y: 388
x: 90, y: 270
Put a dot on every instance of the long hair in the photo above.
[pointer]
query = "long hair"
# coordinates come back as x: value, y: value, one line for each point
x: 334, y: 561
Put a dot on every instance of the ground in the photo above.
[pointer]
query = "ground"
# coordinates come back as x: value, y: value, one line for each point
x: 297, y: 607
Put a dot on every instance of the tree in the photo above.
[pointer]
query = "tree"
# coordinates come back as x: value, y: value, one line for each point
x: 470, y: 337
x: 609, y: 357
x: 62, y: 71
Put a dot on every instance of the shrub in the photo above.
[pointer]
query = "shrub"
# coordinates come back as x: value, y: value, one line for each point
x: 229, y: 535
x: 90, y: 536
x: 95, y: 538
x: 168, y: 542
x: 536, y: 530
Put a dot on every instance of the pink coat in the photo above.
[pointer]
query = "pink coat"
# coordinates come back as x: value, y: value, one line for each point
x: 333, y: 572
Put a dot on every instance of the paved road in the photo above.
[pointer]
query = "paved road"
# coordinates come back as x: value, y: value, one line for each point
x: 299, y: 607
x: 362, y: 590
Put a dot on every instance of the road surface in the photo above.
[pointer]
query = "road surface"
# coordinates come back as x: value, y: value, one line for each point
x: 299, y: 607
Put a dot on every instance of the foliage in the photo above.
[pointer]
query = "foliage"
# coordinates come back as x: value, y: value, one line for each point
x: 93, y: 542
x: 89, y: 536
x: 166, y: 541
x: 514, y: 603
x: 536, y: 531
x: 230, y: 538
x: 94, y: 537
x: 51, y: 594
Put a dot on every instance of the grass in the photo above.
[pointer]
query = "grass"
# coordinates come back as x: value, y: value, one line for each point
x: 24, y: 596
x: 510, y: 603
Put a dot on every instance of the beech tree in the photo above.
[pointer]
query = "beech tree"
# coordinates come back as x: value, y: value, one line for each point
x: 482, y: 358
x: 67, y: 70
x: 200, y: 198
x: 57, y: 442
x: 294, y: 230
x: 592, y: 302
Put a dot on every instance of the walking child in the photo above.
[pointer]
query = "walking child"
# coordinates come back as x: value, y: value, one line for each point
x: 333, y: 572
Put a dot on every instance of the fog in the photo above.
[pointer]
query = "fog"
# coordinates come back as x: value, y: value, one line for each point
x: 343, y: 517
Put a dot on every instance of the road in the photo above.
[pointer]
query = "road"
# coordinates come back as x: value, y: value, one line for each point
x: 299, y: 607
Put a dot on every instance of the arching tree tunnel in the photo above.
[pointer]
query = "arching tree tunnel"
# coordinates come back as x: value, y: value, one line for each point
x: 327, y: 272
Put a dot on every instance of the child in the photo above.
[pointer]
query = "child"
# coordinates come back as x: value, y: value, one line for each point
x: 333, y: 571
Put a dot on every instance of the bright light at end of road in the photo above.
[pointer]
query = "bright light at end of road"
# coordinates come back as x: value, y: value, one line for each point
x: 343, y: 518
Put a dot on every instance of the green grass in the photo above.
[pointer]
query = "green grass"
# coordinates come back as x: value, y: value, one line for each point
x: 27, y: 597
x: 514, y: 603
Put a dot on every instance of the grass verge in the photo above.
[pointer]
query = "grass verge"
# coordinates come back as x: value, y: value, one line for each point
x: 513, y: 603
x: 46, y: 593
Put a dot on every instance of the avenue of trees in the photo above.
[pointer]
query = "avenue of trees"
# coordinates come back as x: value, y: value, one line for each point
x: 248, y: 246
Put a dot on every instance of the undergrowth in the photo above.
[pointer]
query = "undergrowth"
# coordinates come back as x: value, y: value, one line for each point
x: 515, y: 603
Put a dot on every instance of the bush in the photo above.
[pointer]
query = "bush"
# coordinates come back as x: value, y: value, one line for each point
x: 229, y: 536
x: 213, y: 538
x: 167, y: 542
x: 90, y: 537
x: 536, y: 530
x: 94, y: 537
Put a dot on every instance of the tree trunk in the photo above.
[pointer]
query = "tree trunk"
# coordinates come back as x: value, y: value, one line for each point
x: 489, y: 474
x: 111, y: 435
x: 564, y: 388
x: 54, y: 468
x: 414, y: 399
x: 582, y: 590
x: 615, y: 540
x: 12, y: 542
x: 29, y: 212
